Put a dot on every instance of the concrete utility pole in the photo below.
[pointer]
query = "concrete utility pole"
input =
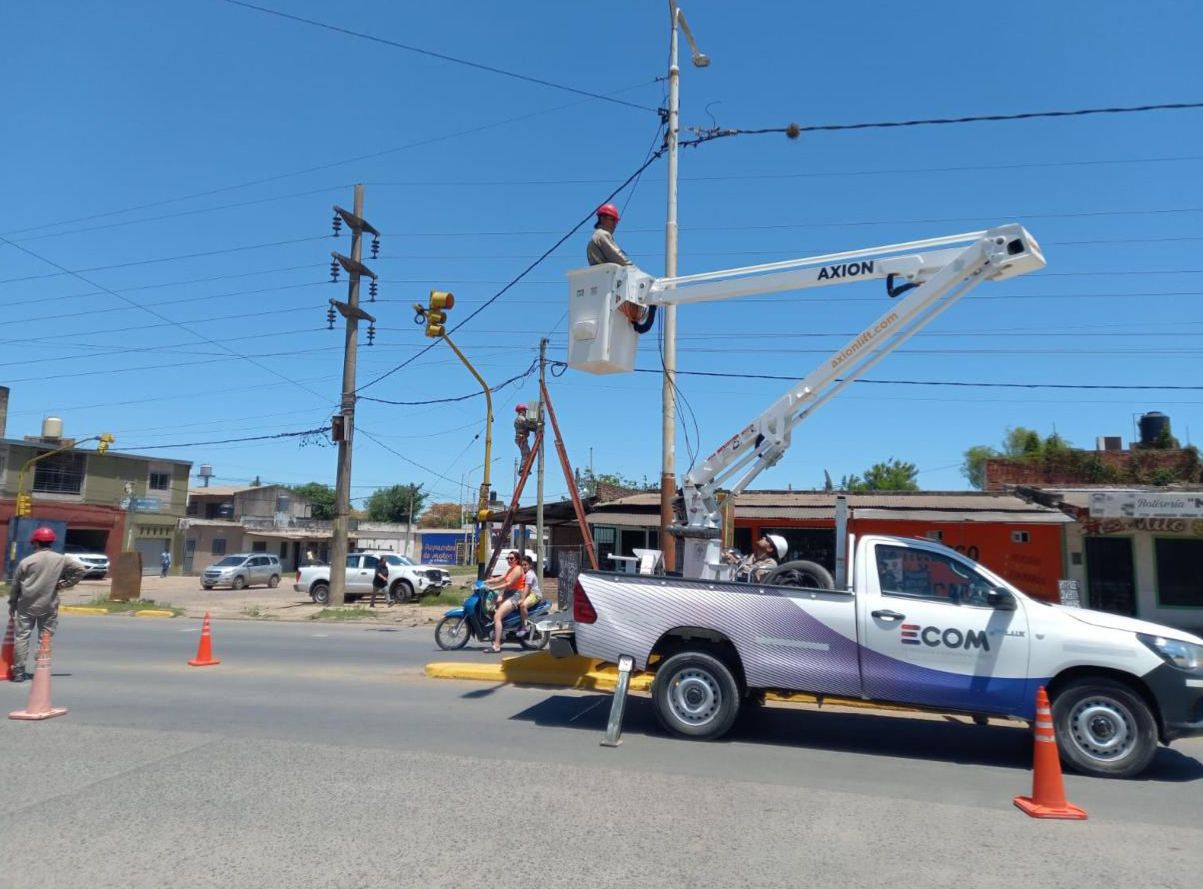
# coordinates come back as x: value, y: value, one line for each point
x: 539, y: 553
x: 668, y: 314
x: 343, y: 423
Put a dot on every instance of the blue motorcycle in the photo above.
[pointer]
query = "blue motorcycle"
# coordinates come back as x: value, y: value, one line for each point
x: 474, y: 621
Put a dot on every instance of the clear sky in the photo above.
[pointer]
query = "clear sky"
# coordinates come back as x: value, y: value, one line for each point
x: 184, y: 158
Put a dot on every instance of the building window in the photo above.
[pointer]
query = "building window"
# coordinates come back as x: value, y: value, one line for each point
x: 60, y: 474
x: 935, y: 535
x: 219, y: 546
x: 1020, y: 537
x: 259, y: 546
x: 1178, y: 562
x: 159, y: 481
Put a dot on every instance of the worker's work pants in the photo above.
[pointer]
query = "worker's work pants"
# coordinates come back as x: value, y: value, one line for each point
x: 523, y: 446
x: 26, y: 624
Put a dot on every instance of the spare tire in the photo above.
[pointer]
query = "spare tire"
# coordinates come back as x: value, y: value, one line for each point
x: 810, y: 575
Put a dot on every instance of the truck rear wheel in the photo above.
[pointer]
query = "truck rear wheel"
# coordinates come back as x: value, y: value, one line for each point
x: 1104, y: 728
x: 320, y: 593
x: 695, y: 695
x: 809, y: 575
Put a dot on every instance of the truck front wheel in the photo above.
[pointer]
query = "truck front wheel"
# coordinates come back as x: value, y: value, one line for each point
x: 695, y: 695
x: 1104, y: 728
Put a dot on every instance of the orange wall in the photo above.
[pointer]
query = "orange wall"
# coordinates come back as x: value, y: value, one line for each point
x: 1034, y: 567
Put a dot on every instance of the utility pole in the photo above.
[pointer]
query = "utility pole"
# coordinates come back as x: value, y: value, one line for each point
x: 409, y: 532
x: 668, y: 471
x: 539, y: 553
x: 343, y: 423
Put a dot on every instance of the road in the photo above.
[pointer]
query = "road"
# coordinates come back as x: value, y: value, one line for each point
x: 319, y: 755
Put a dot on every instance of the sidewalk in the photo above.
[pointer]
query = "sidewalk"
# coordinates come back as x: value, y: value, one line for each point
x: 256, y: 603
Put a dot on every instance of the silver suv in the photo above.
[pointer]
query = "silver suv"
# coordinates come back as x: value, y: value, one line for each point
x: 243, y: 570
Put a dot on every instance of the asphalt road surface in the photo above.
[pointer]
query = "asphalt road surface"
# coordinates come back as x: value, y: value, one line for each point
x: 319, y: 755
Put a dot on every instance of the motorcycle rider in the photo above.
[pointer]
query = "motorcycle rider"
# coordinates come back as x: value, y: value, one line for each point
x: 761, y: 562
x: 513, y: 590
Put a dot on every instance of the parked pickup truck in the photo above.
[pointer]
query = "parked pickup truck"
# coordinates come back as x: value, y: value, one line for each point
x: 919, y: 625
x: 407, y: 580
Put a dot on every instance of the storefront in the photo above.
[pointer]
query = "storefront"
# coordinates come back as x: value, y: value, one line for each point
x: 1138, y: 552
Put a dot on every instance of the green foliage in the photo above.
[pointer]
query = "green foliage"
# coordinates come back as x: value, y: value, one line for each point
x: 591, y: 479
x: 893, y: 475
x: 974, y: 467
x: 443, y: 515
x: 395, y: 504
x: 320, y: 497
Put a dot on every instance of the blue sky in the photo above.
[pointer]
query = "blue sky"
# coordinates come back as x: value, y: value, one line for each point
x: 235, y: 132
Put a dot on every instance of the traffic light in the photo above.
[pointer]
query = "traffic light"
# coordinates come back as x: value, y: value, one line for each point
x: 436, y: 313
x: 106, y: 439
x: 24, y: 504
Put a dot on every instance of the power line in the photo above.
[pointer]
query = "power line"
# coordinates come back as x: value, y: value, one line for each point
x: 320, y: 430
x: 477, y: 394
x: 124, y: 265
x: 441, y: 56
x: 962, y: 384
x: 155, y: 314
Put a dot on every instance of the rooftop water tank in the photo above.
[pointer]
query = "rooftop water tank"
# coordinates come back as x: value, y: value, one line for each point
x: 1153, y: 425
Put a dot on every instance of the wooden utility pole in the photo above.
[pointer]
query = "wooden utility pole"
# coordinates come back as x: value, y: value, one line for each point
x: 343, y: 423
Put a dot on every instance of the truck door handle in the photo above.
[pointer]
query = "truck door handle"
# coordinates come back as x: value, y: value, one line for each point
x: 888, y: 615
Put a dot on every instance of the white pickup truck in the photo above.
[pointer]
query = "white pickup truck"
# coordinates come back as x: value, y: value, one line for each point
x: 407, y: 581
x: 919, y: 624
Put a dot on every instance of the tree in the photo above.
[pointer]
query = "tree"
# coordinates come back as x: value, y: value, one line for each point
x: 590, y: 479
x: 893, y: 475
x: 320, y: 497
x: 1019, y: 442
x: 442, y: 515
x: 395, y: 504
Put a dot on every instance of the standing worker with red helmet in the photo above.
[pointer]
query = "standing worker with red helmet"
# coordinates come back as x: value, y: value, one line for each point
x: 523, y: 427
x: 33, y: 600
x: 602, y: 246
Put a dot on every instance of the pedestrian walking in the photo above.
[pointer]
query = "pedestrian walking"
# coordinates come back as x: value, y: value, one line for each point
x: 380, y: 583
x: 164, y: 562
x: 33, y: 599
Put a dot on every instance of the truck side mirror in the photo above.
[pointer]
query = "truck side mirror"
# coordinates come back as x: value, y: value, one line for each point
x: 1001, y: 599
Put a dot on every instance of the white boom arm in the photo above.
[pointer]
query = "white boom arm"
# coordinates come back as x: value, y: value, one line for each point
x: 602, y: 339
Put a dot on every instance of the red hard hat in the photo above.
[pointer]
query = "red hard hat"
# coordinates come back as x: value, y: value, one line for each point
x: 42, y: 535
x: 520, y: 408
x: 608, y: 210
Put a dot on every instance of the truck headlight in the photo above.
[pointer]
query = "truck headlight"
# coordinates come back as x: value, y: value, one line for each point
x: 1184, y: 655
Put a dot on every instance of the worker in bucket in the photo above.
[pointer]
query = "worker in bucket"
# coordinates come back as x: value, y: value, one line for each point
x: 602, y: 246
x: 33, y: 599
x: 523, y: 427
x: 761, y: 562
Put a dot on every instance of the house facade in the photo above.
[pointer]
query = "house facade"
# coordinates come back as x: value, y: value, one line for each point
x: 102, y: 502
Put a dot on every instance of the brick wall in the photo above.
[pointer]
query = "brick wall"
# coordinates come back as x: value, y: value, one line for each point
x: 1130, y: 467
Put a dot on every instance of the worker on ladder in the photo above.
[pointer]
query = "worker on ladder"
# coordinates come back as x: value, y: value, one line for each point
x: 523, y: 427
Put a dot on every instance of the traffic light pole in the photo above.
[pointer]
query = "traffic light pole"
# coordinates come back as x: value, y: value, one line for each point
x: 344, y: 422
x: 434, y: 316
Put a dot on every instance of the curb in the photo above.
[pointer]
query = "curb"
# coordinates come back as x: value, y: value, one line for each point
x: 81, y: 609
x: 153, y: 612
x: 540, y: 668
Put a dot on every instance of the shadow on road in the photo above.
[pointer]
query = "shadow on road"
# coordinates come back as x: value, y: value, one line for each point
x: 896, y: 735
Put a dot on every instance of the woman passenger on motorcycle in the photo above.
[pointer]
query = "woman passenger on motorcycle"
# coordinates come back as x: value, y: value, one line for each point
x: 513, y: 587
x: 532, y: 591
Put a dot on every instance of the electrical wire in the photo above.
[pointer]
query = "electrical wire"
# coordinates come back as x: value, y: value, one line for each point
x: 320, y: 430
x: 633, y: 177
x: 438, y: 55
x: 477, y: 394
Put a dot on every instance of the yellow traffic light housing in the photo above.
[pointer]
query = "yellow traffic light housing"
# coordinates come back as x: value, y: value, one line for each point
x: 106, y: 439
x: 436, y: 312
x: 24, y: 505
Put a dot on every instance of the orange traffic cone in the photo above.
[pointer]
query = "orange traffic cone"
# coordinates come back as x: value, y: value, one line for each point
x: 6, y: 650
x: 1048, y: 791
x: 39, y: 694
x: 204, y: 651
